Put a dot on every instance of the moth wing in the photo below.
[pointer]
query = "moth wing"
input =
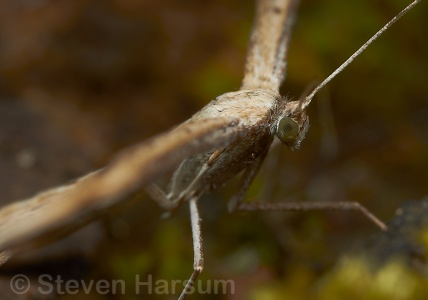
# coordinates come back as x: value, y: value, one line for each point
x: 26, y: 223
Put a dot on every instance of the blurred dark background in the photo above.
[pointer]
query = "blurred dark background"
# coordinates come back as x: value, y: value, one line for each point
x: 80, y: 80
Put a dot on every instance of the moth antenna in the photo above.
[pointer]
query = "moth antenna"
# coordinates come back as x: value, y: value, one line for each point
x: 305, y: 93
x: 308, y: 99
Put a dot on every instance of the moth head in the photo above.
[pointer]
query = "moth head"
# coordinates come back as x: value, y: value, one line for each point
x: 287, y: 130
x: 292, y: 125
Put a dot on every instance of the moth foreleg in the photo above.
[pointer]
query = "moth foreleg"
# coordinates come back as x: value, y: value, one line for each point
x: 293, y: 206
x: 247, y: 178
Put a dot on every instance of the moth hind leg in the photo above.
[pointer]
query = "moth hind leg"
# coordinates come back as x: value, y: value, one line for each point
x: 160, y: 197
x: 179, y: 191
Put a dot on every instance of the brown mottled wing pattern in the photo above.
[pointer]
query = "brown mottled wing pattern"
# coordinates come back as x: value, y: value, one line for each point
x: 224, y: 121
x: 266, y: 63
x: 68, y: 206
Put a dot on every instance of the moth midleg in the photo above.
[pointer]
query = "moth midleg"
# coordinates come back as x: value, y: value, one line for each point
x: 198, y: 259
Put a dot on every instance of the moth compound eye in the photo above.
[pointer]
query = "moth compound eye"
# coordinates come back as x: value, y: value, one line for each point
x: 287, y: 130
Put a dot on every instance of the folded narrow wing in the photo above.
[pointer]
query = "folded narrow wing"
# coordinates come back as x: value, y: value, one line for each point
x: 266, y: 63
x: 65, y: 208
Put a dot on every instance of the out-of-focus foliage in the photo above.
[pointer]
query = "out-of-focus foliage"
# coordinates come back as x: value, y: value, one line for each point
x: 81, y: 79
